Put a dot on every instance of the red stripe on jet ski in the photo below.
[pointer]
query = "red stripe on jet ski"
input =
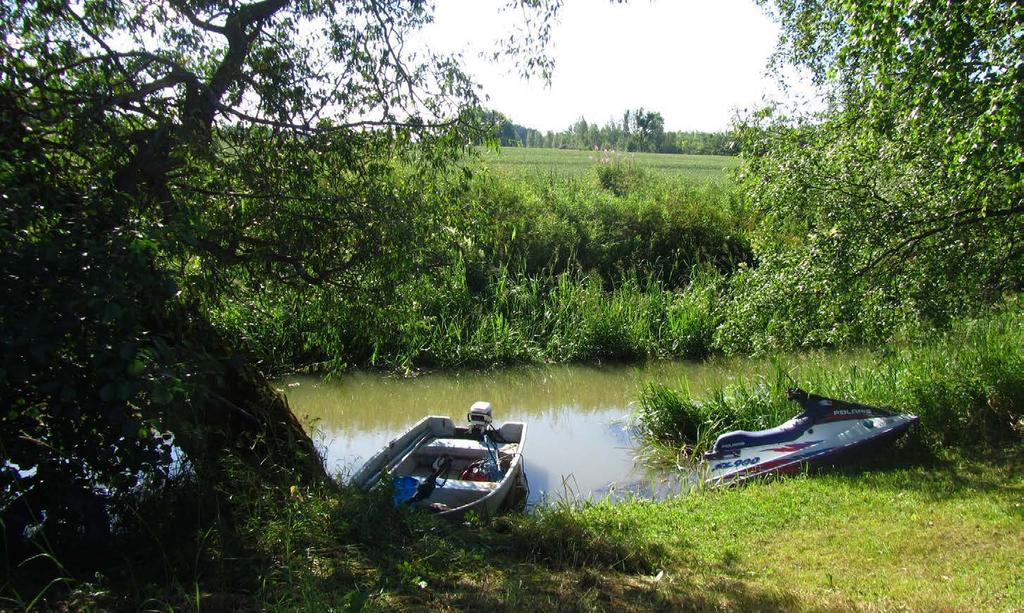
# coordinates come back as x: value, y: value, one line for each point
x: 794, y: 446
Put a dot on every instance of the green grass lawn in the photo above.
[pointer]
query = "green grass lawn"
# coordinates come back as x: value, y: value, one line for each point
x: 945, y: 536
x: 928, y: 534
x: 570, y: 162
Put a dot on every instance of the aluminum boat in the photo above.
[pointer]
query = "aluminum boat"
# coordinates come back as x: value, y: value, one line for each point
x: 449, y: 469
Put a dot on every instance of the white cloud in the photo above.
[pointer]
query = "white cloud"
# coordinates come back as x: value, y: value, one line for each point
x: 692, y: 61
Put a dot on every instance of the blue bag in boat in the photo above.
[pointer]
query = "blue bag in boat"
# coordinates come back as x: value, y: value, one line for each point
x: 405, y: 488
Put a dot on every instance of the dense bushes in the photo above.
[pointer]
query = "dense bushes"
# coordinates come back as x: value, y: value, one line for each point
x: 899, y: 202
x: 628, y: 220
x: 618, y: 264
x: 854, y: 243
x: 539, y: 268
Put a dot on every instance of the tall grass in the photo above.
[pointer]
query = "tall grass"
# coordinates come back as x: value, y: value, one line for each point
x: 625, y: 265
x: 967, y: 385
x: 555, y: 318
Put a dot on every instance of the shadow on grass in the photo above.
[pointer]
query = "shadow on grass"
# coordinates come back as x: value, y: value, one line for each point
x: 559, y: 559
x: 565, y: 558
x: 915, y: 468
x: 504, y: 585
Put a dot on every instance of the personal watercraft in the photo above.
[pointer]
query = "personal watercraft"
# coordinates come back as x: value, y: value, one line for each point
x: 826, y: 430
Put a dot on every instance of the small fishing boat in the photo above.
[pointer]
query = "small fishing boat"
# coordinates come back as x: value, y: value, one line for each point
x: 826, y: 431
x: 448, y: 469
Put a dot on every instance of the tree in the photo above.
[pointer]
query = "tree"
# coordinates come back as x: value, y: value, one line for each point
x: 155, y: 153
x: 903, y: 202
x: 579, y: 133
x: 650, y: 130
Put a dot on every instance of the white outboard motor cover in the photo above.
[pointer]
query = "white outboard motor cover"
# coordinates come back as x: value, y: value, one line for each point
x: 480, y: 414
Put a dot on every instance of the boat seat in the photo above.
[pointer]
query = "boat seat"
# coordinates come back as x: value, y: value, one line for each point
x: 779, y: 434
x: 455, y: 447
x: 468, y: 486
x: 456, y: 492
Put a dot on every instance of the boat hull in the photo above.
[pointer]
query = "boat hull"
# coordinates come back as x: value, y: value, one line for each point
x: 823, y: 443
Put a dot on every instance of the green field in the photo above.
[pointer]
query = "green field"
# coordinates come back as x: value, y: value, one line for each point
x: 572, y: 162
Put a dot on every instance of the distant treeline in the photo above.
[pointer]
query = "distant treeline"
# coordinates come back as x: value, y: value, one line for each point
x: 639, y: 130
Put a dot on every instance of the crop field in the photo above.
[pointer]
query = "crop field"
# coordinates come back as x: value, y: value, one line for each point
x: 572, y: 162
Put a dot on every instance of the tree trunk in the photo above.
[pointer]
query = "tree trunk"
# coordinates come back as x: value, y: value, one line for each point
x: 233, y: 412
x: 249, y: 420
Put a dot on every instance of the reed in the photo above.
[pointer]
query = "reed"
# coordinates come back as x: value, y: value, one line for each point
x: 559, y: 318
x: 967, y: 385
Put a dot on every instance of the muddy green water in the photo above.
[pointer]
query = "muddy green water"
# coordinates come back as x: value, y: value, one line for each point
x: 579, y: 443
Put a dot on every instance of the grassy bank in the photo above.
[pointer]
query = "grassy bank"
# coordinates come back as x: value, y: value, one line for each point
x: 947, y: 534
x: 938, y: 533
x: 514, y: 318
x: 966, y: 384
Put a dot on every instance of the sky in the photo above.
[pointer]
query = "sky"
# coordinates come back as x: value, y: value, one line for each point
x: 694, y: 61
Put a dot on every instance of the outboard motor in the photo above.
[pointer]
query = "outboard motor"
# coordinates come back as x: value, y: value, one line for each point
x: 488, y: 468
x: 479, y: 417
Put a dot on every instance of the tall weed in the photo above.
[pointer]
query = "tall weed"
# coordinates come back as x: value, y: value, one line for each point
x: 967, y: 386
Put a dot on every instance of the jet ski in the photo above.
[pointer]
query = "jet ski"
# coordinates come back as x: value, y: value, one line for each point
x: 826, y: 430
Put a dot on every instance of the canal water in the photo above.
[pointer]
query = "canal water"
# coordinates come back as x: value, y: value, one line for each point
x: 579, y: 442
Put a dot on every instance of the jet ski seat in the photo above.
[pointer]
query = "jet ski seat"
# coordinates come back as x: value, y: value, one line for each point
x: 779, y: 434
